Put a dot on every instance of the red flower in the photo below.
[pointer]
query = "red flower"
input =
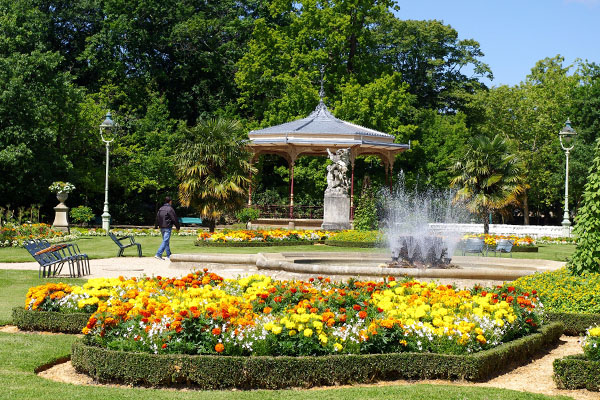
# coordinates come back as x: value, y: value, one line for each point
x: 164, y: 346
x: 216, y: 331
x: 362, y: 314
x: 511, y: 289
x: 293, y: 290
x: 356, y: 307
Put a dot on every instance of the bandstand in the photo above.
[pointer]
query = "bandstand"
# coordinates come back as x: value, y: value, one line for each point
x: 313, y: 135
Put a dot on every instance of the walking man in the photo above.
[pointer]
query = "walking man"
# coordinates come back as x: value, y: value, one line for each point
x: 165, y: 219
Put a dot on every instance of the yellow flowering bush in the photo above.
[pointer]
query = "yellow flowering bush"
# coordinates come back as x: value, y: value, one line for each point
x: 274, y: 235
x: 562, y: 291
x: 591, y: 343
x: 202, y: 313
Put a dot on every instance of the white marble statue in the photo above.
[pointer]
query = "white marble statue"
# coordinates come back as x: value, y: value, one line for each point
x: 337, y: 181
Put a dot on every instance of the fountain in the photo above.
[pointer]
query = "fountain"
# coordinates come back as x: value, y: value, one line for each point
x: 408, y: 215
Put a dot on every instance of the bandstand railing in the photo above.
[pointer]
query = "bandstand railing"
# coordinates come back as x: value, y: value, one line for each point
x: 285, y: 211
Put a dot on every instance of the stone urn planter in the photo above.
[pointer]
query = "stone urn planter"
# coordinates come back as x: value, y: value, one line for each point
x: 62, y: 197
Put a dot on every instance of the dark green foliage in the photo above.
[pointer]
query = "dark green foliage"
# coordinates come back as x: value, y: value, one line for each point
x: 247, y: 214
x: 576, y: 372
x: 219, y: 372
x: 587, y: 223
x: 365, y: 216
x: 365, y: 245
x: 575, y: 323
x: 49, y: 321
x: 81, y: 214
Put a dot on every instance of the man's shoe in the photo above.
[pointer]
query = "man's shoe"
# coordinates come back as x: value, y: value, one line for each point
x: 158, y: 257
x: 168, y: 258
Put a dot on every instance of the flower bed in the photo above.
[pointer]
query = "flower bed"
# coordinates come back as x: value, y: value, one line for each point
x: 581, y: 371
x: 15, y: 235
x: 277, y: 236
x: 133, y: 231
x: 203, y: 314
x: 572, y: 299
x: 492, y: 240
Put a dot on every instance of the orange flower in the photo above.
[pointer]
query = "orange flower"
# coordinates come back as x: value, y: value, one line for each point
x: 267, y: 310
x: 219, y: 348
x: 362, y: 314
x: 216, y: 331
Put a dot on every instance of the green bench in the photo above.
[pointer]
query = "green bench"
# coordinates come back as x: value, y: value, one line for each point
x: 190, y: 221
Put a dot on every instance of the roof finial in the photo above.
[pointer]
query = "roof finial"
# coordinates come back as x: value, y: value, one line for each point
x: 322, y: 91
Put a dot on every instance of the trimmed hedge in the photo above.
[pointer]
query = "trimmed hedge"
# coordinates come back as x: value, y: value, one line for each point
x: 575, y: 323
x: 353, y: 244
x: 203, y: 243
x: 51, y: 321
x: 525, y: 249
x: 222, y: 372
x: 576, y: 372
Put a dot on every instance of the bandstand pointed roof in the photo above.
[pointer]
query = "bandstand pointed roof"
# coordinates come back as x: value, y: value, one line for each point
x: 320, y: 131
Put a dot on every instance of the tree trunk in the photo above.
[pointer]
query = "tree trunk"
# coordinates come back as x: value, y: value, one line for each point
x: 211, y: 225
x: 525, y: 209
x: 486, y: 223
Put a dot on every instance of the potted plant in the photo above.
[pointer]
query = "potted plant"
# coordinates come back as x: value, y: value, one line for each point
x: 62, y: 190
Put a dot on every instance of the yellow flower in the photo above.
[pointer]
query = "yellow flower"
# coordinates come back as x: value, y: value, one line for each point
x: 308, y: 332
x: 292, y: 332
x: 276, y: 330
x: 337, y: 347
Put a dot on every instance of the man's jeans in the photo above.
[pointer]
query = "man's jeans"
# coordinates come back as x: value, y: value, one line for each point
x: 164, y: 246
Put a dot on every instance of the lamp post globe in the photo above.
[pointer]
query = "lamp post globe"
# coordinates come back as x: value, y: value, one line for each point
x: 566, y: 136
x: 106, y: 125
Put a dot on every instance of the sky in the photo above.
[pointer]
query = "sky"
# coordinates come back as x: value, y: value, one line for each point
x: 514, y: 35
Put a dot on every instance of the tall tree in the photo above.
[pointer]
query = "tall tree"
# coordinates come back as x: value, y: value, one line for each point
x: 489, y: 177
x: 531, y: 114
x: 213, y: 166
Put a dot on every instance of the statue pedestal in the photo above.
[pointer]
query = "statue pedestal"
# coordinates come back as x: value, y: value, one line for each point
x: 336, y: 212
x: 61, y: 222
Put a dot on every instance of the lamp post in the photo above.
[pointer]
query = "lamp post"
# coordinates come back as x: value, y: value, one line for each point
x: 107, y: 124
x: 566, y: 135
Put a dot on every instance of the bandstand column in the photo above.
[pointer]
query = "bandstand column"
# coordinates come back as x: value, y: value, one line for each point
x: 292, y: 189
x: 391, y: 174
x: 352, y: 192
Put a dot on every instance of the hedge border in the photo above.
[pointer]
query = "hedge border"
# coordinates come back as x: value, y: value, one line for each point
x: 576, y: 372
x: 342, y: 243
x: 256, y: 244
x: 223, y: 372
x: 574, y: 323
x: 525, y: 249
x: 50, y: 321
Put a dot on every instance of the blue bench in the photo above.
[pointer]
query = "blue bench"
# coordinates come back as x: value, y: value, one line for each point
x: 473, y: 246
x: 190, y: 221
x: 123, y: 246
x: 503, y: 246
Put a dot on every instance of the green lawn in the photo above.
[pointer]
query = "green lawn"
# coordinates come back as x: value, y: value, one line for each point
x: 20, y: 354
x: 103, y: 247
x: 13, y: 289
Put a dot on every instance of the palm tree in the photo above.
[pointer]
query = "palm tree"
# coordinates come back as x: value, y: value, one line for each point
x: 489, y: 177
x: 214, y: 167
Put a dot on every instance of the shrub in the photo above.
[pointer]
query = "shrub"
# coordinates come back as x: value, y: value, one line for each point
x: 365, y: 216
x: 587, y: 223
x: 576, y: 372
x: 247, y: 214
x: 50, y: 321
x: 214, y: 372
x: 575, y: 323
x: 81, y: 214
x: 358, y: 237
